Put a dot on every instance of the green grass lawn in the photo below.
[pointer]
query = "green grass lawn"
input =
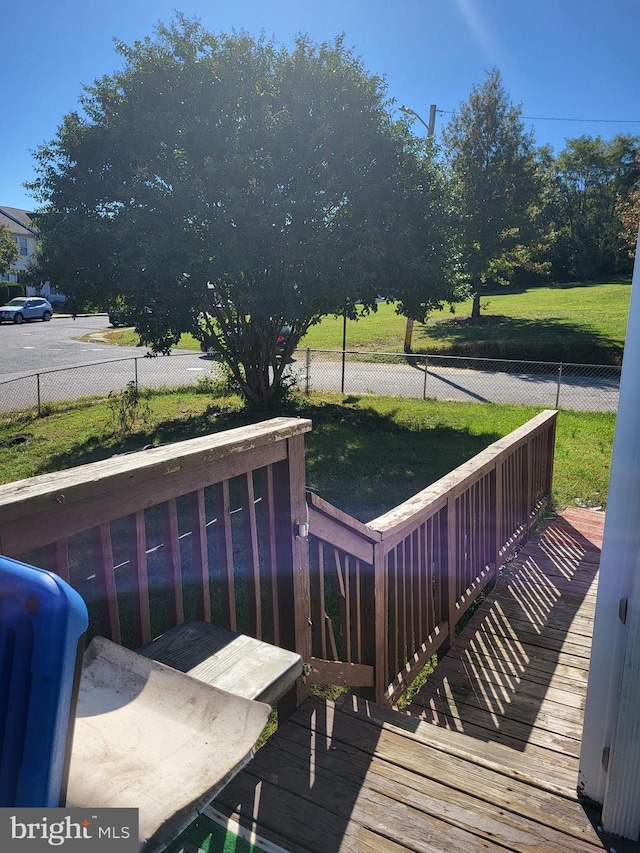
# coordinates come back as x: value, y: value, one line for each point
x: 576, y: 322
x: 579, y: 322
x: 365, y: 454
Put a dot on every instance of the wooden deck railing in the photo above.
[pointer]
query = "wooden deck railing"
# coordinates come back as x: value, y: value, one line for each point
x: 215, y: 528
x: 205, y: 528
x: 388, y: 594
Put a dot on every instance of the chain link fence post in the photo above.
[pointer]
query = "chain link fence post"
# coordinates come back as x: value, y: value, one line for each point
x: 558, y: 388
x: 307, y: 381
x: 135, y: 370
x: 424, y: 384
x: 38, y: 392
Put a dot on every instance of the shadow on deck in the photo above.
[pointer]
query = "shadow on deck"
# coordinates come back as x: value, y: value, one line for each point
x: 517, y: 674
x: 487, y: 758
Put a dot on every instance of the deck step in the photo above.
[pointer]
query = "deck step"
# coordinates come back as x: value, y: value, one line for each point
x: 225, y: 659
x: 530, y: 766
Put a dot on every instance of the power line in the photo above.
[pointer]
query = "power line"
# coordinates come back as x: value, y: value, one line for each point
x: 549, y: 118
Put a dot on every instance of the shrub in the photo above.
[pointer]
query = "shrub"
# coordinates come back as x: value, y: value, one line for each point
x: 16, y: 290
x: 128, y: 408
x: 8, y: 289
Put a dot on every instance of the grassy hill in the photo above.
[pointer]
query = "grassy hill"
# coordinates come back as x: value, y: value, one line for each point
x: 578, y: 322
x: 583, y: 323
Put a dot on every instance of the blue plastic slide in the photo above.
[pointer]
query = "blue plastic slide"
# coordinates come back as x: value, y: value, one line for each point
x: 42, y: 626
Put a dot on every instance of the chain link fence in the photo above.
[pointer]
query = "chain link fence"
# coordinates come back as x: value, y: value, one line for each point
x: 582, y: 387
x: 35, y: 391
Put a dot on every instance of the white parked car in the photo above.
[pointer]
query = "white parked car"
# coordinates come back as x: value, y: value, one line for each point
x: 22, y: 308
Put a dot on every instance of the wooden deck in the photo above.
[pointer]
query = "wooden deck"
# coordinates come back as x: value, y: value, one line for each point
x: 486, y: 760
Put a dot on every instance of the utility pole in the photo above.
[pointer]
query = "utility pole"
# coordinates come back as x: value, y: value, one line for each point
x: 431, y: 129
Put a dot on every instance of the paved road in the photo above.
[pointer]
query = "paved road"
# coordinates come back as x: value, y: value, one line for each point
x: 69, y: 368
x: 38, y: 346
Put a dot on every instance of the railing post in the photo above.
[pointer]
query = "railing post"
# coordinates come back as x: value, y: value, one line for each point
x: 292, y: 550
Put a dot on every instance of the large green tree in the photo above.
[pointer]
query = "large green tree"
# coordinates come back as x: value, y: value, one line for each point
x: 494, y: 169
x: 8, y: 250
x: 242, y: 187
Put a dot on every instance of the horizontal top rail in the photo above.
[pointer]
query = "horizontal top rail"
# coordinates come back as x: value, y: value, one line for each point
x: 331, y: 524
x: 67, y: 502
x: 338, y: 515
x: 435, y: 496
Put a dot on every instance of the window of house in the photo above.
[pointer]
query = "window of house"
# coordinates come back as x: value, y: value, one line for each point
x: 23, y: 246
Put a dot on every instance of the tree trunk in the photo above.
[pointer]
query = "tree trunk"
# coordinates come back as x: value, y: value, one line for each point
x: 408, y: 334
x: 475, y: 311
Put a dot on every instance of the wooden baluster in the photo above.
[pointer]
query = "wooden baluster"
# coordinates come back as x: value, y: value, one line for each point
x: 498, y: 512
x: 356, y: 597
x: 430, y: 619
x: 452, y: 568
x: 342, y: 577
x: 410, y: 574
x: 58, y: 558
x: 137, y: 549
x: 171, y: 559
x: 199, y: 554
x: 332, y: 638
x: 102, y: 561
x: 394, y: 615
x: 252, y: 560
x: 381, y: 612
x: 422, y: 574
x: 224, y: 542
x: 270, y: 554
x: 316, y: 582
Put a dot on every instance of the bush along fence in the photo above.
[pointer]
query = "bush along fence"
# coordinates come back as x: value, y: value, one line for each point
x: 581, y: 387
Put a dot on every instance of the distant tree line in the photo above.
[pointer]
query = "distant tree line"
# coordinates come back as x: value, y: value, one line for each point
x: 241, y: 187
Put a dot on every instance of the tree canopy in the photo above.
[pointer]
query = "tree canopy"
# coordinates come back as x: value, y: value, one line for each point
x: 242, y: 187
x: 593, y: 202
x: 493, y: 165
x: 8, y: 249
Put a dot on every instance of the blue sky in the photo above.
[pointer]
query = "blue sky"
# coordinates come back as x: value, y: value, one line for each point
x: 560, y: 59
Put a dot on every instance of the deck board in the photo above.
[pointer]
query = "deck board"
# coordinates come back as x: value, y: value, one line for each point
x: 486, y: 756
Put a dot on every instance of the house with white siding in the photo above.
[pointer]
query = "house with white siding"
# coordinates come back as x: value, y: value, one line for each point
x: 21, y: 225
